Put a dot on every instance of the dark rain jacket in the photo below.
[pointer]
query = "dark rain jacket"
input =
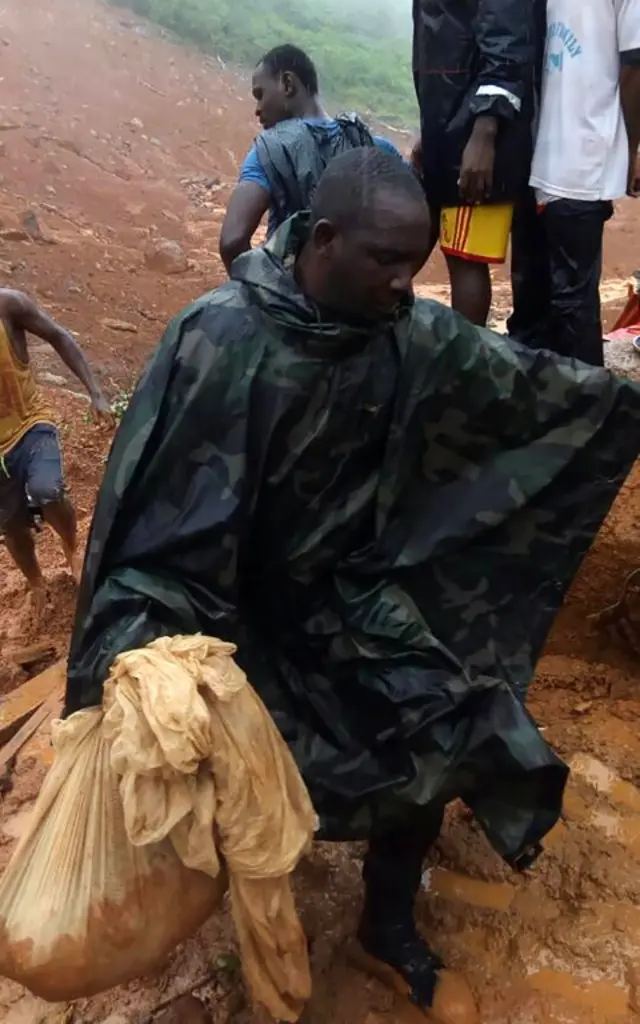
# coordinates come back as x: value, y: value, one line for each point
x: 474, y: 57
x: 294, y: 153
x: 384, y: 520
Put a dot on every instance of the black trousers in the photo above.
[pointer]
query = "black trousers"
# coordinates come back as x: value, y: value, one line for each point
x: 393, y: 869
x: 556, y: 264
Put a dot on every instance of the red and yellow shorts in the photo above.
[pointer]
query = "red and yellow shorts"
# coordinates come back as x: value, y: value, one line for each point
x: 478, y: 233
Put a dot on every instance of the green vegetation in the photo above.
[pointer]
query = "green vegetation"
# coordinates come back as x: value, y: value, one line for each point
x: 120, y: 404
x: 362, y: 47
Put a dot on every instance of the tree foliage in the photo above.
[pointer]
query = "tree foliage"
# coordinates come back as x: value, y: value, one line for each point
x: 361, y: 47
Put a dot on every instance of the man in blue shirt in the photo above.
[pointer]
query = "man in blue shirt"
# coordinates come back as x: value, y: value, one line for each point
x: 287, y: 158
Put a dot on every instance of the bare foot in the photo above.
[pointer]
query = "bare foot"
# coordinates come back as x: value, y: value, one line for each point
x: 74, y: 561
x: 38, y: 601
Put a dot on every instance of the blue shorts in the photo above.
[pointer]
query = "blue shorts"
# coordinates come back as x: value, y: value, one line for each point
x: 31, y: 473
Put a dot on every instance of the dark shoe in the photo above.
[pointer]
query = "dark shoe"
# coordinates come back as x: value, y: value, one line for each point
x: 401, y: 959
x: 402, y: 949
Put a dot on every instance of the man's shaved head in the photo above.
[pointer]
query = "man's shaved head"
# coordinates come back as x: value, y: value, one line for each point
x: 351, y: 185
x: 369, y: 234
x: 285, y: 84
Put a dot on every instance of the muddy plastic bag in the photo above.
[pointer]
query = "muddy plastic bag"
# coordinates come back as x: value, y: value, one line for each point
x: 181, y: 766
x: 81, y: 908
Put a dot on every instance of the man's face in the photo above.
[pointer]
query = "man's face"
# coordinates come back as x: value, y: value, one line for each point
x: 272, y: 96
x: 370, y: 269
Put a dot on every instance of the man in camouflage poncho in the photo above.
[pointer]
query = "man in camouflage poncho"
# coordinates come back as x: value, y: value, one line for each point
x: 382, y: 506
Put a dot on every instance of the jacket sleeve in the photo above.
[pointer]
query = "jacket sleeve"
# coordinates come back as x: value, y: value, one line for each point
x: 415, y: 41
x: 506, y: 37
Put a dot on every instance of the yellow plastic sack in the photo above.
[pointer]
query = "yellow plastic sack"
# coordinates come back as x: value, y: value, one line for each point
x: 181, y: 767
x: 81, y: 908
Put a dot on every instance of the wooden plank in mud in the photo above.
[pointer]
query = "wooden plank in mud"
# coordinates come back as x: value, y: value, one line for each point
x: 20, y: 704
x: 51, y: 707
x: 26, y: 656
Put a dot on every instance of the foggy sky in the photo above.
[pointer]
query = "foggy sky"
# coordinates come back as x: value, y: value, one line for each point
x: 391, y: 17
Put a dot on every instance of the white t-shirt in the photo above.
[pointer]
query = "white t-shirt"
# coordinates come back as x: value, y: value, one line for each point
x: 582, y: 150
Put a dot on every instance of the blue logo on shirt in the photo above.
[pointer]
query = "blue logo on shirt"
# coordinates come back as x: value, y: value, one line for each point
x: 561, y: 45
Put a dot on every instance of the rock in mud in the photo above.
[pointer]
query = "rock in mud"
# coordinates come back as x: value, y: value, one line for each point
x: 187, y: 1010
x: 119, y: 325
x: 166, y: 257
x: 31, y: 225
x: 14, y: 235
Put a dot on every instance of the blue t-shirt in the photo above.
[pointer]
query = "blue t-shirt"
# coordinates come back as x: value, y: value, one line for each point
x: 252, y: 169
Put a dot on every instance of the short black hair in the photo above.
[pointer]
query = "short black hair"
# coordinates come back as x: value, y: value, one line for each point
x: 294, y: 60
x: 351, y: 181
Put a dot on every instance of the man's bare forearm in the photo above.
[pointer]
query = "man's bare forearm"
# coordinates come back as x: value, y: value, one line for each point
x: 630, y: 101
x: 73, y: 357
x: 35, y: 321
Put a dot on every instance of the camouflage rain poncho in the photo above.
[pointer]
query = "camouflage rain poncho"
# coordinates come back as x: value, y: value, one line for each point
x: 385, y: 521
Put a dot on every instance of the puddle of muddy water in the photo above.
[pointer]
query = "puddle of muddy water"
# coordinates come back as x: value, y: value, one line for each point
x: 599, y: 996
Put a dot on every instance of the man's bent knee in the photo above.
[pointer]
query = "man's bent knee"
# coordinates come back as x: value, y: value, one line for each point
x: 470, y: 289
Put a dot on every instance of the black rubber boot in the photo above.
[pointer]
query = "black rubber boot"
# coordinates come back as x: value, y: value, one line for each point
x: 387, y: 933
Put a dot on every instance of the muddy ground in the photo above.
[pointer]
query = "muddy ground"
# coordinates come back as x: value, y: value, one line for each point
x: 115, y: 137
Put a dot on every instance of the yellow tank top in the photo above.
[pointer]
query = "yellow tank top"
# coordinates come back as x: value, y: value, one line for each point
x: 22, y: 405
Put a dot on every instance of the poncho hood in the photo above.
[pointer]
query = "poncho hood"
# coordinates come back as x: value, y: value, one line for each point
x: 268, y: 273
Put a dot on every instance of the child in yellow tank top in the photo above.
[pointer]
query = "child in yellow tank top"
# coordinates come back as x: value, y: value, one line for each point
x: 22, y: 405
